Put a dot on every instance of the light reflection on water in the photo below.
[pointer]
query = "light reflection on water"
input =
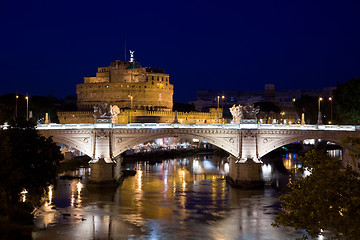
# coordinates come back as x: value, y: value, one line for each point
x: 180, y: 198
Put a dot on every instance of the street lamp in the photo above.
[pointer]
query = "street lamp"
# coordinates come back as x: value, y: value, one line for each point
x: 222, y: 101
x: 319, y: 111
x: 218, y: 98
x: 27, y: 108
x: 331, y: 111
x: 282, y: 115
x: 131, y: 101
x: 131, y: 104
x: 17, y: 96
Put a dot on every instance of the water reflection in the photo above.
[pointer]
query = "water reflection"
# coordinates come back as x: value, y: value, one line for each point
x: 184, y: 198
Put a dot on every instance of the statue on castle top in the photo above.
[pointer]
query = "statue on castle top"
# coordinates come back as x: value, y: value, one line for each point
x: 132, y: 56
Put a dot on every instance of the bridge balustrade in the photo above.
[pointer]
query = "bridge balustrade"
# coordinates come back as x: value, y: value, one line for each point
x: 197, y: 125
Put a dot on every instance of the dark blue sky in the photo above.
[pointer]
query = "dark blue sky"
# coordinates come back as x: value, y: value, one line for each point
x: 47, y: 47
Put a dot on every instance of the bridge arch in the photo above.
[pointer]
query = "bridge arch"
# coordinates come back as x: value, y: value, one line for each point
x: 268, y: 146
x: 82, y: 142
x: 121, y: 144
x: 74, y: 144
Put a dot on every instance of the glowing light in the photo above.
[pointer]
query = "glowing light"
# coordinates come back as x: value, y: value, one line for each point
x: 50, y: 194
x: 226, y: 168
x: 72, y: 199
x: 266, y: 171
x: 23, y: 193
x: 79, y: 186
x: 307, y: 172
x: 139, y: 175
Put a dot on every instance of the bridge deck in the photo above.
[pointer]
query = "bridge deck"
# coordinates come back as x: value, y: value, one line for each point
x: 194, y: 126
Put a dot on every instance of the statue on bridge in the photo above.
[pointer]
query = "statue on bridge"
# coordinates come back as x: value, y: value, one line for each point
x: 104, y: 113
x: 244, y: 114
x: 114, y: 110
x: 236, y: 112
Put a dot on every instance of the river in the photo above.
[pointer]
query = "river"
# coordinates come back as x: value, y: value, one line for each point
x: 184, y: 198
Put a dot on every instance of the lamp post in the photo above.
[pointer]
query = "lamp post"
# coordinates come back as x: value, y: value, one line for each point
x: 331, y: 111
x: 131, y: 104
x: 282, y: 115
x: 131, y: 101
x: 27, y: 107
x: 222, y: 101
x: 319, y: 111
x: 218, y: 98
x: 17, y: 96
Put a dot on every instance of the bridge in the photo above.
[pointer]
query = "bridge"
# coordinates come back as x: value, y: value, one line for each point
x: 246, y: 143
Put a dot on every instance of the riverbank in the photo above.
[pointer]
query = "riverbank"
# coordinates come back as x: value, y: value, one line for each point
x: 73, y: 164
x: 159, y: 156
x: 152, y: 157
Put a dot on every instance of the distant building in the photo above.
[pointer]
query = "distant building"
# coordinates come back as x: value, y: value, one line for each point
x: 127, y: 85
x: 206, y: 99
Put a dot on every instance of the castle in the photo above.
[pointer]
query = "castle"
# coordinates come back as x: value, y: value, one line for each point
x: 127, y: 85
x: 141, y: 94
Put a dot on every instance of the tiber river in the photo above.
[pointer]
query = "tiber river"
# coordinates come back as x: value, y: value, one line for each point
x: 185, y: 198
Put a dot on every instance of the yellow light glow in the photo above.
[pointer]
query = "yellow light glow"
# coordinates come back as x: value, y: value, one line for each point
x: 79, y: 186
x: 293, y: 99
x: 50, y: 194
x: 330, y: 98
x: 320, y: 98
x: 23, y: 193
x: 72, y: 199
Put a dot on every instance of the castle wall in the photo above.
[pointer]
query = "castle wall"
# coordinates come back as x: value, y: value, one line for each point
x: 141, y: 116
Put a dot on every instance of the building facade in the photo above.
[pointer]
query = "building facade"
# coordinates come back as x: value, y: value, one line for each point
x: 284, y: 99
x: 127, y: 85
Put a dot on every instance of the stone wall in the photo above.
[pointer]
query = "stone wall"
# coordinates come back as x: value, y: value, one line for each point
x: 141, y: 116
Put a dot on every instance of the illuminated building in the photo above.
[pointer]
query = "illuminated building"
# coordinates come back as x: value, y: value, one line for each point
x: 142, y: 94
x: 127, y: 85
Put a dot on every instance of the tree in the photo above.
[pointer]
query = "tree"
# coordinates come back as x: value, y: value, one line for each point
x: 347, y: 102
x: 267, y: 108
x: 326, y: 200
x: 309, y: 106
x: 28, y: 161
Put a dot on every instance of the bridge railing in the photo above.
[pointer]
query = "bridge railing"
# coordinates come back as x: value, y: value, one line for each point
x: 199, y: 125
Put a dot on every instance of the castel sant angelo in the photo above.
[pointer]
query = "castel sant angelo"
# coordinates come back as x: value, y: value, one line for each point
x: 131, y: 93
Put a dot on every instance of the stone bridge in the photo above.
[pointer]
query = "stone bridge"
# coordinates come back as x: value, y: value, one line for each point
x: 243, y: 142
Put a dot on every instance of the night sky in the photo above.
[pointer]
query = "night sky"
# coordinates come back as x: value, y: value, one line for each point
x: 47, y: 47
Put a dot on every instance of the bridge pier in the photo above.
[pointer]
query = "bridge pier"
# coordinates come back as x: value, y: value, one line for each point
x: 105, y: 170
x: 244, y: 173
x: 105, y: 174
